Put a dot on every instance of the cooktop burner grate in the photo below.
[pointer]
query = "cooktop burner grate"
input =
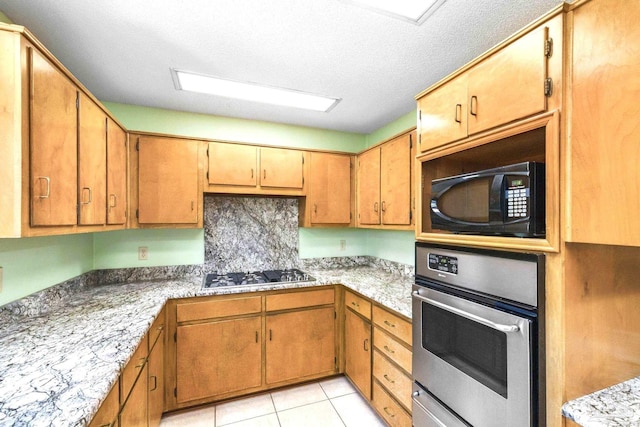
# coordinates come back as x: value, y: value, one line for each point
x: 255, y: 278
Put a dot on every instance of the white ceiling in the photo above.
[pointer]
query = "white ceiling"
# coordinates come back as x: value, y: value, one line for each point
x: 122, y: 50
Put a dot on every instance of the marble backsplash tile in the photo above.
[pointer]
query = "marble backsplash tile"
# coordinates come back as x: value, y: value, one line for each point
x: 358, y: 261
x: 250, y: 233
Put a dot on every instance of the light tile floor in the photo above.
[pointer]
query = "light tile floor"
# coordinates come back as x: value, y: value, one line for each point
x: 327, y: 403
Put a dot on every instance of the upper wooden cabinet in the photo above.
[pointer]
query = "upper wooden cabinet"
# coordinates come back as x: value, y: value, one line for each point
x: 166, y: 171
x: 53, y: 155
x: 52, y: 144
x: 603, y: 179
x: 250, y: 169
x: 328, y: 202
x: 513, y: 81
x: 116, y: 173
x: 384, y: 184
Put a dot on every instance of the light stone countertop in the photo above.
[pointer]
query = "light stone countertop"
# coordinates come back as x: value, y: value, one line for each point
x: 56, y: 369
x: 615, y: 406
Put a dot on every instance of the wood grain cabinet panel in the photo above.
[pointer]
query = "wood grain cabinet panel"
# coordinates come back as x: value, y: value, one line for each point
x: 396, y: 164
x: 389, y: 409
x: 281, y: 168
x: 393, y: 324
x: 357, y: 352
x: 92, y: 163
x: 392, y: 348
x: 134, y: 411
x: 156, y: 374
x: 233, y: 164
x: 107, y: 414
x: 358, y: 304
x: 167, y: 180
x: 443, y: 114
x: 215, y: 358
x: 603, y: 175
x: 329, y: 198
x: 369, y: 187
x: 53, y: 144
x: 300, y: 344
x: 116, y: 174
x: 393, y: 379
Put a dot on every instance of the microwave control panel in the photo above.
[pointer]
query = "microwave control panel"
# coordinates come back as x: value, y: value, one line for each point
x: 517, y: 197
x: 445, y: 263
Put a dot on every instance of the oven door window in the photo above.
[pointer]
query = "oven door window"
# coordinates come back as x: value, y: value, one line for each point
x: 475, y: 349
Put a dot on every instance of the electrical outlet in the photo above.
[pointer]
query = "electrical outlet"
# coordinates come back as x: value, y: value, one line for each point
x: 343, y: 245
x: 143, y: 253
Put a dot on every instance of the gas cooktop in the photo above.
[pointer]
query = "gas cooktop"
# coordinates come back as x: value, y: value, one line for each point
x: 255, y: 278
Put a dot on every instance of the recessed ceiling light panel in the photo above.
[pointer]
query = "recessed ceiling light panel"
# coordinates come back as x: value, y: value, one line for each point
x: 415, y: 11
x: 193, y: 82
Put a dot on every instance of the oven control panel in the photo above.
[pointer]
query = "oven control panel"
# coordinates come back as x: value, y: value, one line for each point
x: 445, y: 263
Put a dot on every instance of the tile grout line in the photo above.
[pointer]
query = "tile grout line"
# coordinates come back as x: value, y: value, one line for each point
x: 275, y: 409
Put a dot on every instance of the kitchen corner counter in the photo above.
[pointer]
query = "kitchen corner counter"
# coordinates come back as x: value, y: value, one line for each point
x: 615, y: 406
x: 56, y: 368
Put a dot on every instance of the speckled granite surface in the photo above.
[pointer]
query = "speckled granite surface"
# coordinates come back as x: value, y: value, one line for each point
x: 57, y: 365
x: 616, y: 406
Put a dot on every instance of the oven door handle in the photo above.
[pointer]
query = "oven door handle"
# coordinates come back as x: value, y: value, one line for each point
x: 470, y: 316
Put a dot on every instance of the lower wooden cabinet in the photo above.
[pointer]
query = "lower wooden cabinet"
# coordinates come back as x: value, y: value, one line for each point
x: 217, y: 358
x: 229, y: 345
x: 107, y: 414
x: 134, y: 411
x: 389, y: 409
x: 357, y: 351
x: 156, y: 371
x: 300, y: 344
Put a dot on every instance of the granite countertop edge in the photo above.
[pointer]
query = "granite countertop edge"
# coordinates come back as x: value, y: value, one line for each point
x: 57, y: 368
x: 615, y: 406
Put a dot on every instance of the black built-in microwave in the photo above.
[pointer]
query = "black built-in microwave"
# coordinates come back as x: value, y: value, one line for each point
x: 504, y: 201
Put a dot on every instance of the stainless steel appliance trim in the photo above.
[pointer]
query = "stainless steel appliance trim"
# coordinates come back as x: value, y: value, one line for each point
x: 486, y: 322
x: 427, y: 412
x: 512, y: 279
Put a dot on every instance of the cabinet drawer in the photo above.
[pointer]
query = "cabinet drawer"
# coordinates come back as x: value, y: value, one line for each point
x: 391, y: 411
x: 156, y: 329
x: 299, y: 299
x: 398, y: 384
x: 392, y: 324
x: 392, y: 349
x: 133, y: 368
x: 358, y: 304
x: 218, y: 308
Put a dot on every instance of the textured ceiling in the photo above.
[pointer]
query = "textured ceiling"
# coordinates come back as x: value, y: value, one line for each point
x: 122, y: 50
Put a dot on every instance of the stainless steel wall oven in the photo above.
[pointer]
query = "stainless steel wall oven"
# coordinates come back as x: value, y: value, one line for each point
x: 478, y: 353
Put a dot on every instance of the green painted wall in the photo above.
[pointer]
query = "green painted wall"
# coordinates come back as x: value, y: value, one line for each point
x: 395, y: 127
x: 148, y: 119
x: 4, y: 18
x: 35, y: 263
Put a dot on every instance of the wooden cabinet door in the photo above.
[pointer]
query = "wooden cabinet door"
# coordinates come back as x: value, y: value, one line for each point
x: 329, y: 195
x: 92, y: 163
x: 357, y: 352
x: 215, y: 358
x: 509, y: 84
x: 52, y: 145
x: 300, y: 344
x: 604, y: 179
x: 107, y: 414
x: 281, y: 168
x: 233, y: 164
x: 116, y: 174
x: 443, y: 114
x: 167, y: 180
x: 395, y: 180
x: 156, y: 381
x: 369, y: 187
x: 134, y: 412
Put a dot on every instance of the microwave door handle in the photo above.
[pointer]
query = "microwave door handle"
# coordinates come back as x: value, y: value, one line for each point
x: 496, y: 199
x: 470, y: 316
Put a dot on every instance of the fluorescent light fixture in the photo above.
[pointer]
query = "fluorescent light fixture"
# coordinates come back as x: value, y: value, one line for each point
x: 193, y: 82
x: 415, y: 11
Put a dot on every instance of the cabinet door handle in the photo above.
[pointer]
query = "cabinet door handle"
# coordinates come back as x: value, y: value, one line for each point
x: 389, y: 350
x: 270, y: 335
x: 366, y: 347
x: 355, y: 304
x: 256, y: 336
x: 264, y: 174
x: 386, y: 410
x: 386, y: 377
x: 389, y: 324
x: 252, y: 173
x: 48, y: 181
x: 315, y: 208
x: 142, y: 360
x: 375, y: 207
x: 192, y: 205
x: 90, y: 196
x: 384, y: 207
x: 472, y: 110
x: 458, y: 117
x: 113, y: 201
x: 155, y: 383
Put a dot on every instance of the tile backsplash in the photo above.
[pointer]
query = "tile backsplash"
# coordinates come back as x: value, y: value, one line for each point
x: 250, y: 233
